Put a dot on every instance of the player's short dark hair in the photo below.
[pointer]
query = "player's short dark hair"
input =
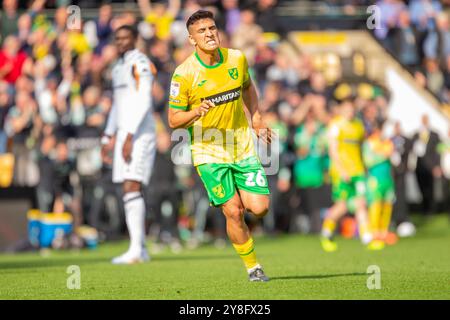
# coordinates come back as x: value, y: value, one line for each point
x: 199, y: 15
x: 129, y: 28
x: 379, y: 123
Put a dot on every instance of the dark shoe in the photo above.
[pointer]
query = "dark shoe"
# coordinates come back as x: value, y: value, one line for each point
x: 258, y: 275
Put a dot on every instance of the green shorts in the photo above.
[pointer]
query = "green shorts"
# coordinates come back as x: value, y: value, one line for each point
x: 222, y: 179
x: 380, y: 190
x: 346, y: 190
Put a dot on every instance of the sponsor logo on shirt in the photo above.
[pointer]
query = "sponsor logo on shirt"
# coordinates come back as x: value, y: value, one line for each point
x: 174, y: 88
x: 224, y: 97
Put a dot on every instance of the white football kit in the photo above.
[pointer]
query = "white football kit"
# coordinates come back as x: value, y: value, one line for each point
x: 132, y: 113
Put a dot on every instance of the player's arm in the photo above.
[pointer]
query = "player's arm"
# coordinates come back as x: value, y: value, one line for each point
x: 107, y: 140
x: 179, y: 115
x: 179, y: 118
x: 250, y: 98
x: 145, y: 7
x: 174, y: 7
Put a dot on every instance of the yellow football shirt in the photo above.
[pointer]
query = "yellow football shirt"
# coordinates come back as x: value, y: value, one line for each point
x: 223, y: 135
x: 162, y: 24
x: 349, y: 136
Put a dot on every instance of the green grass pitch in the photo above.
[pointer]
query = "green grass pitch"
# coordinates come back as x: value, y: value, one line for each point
x: 416, y: 268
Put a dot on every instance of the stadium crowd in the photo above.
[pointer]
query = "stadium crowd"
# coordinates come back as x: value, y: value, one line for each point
x: 55, y: 94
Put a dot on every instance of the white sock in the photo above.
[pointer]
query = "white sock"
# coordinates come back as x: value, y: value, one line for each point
x: 254, y: 268
x: 135, y: 219
x: 366, y: 238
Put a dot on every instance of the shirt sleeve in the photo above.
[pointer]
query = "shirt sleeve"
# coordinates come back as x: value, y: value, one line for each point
x: 111, y: 124
x: 179, y: 92
x: 140, y: 97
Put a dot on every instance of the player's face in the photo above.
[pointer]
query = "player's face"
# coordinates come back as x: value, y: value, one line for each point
x: 204, y: 34
x: 348, y: 110
x: 124, y: 41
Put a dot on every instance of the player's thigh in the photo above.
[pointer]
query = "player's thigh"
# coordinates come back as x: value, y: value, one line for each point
x: 359, y: 186
x: 359, y: 191
x: 388, y: 189
x: 218, y: 181
x: 341, y: 190
x: 374, y: 192
x: 142, y: 159
x: 251, y: 181
x: 233, y: 209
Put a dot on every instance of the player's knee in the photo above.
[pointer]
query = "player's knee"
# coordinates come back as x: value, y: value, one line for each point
x: 260, y: 209
x: 235, y: 213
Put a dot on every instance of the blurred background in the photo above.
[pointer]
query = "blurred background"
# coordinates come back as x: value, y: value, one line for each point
x: 304, y: 56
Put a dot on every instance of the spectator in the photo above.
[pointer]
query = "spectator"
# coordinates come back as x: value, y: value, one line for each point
x: 44, y: 189
x: 390, y: 11
x: 19, y: 126
x: 51, y: 96
x: 425, y: 143
x: 60, y: 21
x: 8, y: 19
x: 423, y: 13
x: 405, y: 43
x: 266, y: 17
x: 12, y: 60
x: 160, y: 16
x: 444, y: 151
x: 5, y: 104
x: 399, y: 160
x: 247, y: 35
x: 437, y: 42
x: 101, y: 29
x: 434, y: 76
x: 232, y: 15
x: 264, y: 58
x: 164, y: 199
x: 310, y: 167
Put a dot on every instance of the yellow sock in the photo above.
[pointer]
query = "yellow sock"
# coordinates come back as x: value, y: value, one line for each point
x: 375, y: 217
x: 328, y: 227
x: 386, y: 218
x: 247, y: 253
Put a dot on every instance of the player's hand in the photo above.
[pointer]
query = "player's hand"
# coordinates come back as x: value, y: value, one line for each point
x: 263, y: 131
x: 127, y: 148
x: 204, y: 107
x: 107, y: 149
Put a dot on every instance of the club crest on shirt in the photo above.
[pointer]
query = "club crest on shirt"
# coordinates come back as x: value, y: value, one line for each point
x: 233, y: 72
x: 174, y: 88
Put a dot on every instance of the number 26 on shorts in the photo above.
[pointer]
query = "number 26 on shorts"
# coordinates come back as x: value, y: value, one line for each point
x: 254, y: 179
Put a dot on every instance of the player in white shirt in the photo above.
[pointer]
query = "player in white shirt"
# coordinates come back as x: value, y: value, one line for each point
x: 130, y: 132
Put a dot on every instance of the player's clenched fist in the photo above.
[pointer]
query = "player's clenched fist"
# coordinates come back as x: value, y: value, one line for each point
x: 204, y: 108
